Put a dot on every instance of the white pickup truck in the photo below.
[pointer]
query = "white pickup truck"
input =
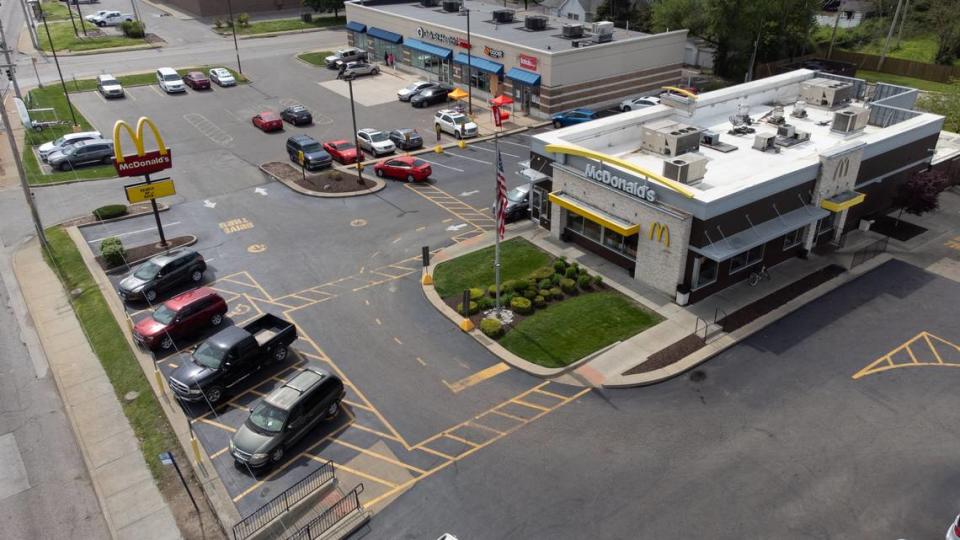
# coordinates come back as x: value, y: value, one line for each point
x: 108, y: 18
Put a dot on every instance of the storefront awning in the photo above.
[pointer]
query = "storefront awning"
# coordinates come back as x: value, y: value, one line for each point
x: 523, y: 76
x: 842, y: 201
x: 385, y: 35
x: 479, y: 64
x: 594, y: 214
x: 761, y: 233
x: 354, y: 26
x: 418, y: 45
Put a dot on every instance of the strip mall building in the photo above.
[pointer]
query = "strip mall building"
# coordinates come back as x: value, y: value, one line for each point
x: 695, y: 194
x: 546, y: 65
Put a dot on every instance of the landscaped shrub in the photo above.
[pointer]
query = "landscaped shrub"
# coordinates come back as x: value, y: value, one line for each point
x: 555, y: 279
x: 539, y: 301
x: 133, y: 29
x: 583, y: 272
x: 544, y: 283
x: 542, y: 273
x: 492, y: 290
x: 484, y: 303
x: 243, y: 19
x: 568, y: 286
x: 571, y: 272
x: 493, y: 328
x: 509, y: 285
x: 112, y: 251
x: 476, y: 294
x: 559, y: 265
x: 521, y: 305
x: 584, y: 282
x: 597, y: 280
x: 473, y: 308
x: 556, y: 293
x: 521, y: 285
x: 110, y: 211
x: 529, y: 294
x: 506, y: 298
x: 545, y: 293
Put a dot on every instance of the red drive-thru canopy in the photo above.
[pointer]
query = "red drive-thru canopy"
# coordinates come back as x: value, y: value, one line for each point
x: 500, y: 101
x: 497, y: 105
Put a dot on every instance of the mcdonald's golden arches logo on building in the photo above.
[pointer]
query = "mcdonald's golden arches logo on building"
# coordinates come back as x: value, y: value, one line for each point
x: 661, y: 231
x: 142, y: 162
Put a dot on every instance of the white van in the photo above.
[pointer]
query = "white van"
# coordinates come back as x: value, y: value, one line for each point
x: 170, y: 81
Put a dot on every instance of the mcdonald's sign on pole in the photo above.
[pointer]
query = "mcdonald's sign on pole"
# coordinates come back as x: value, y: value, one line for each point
x: 143, y: 162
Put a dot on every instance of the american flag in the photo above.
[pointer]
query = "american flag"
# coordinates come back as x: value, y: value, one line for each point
x: 501, y: 197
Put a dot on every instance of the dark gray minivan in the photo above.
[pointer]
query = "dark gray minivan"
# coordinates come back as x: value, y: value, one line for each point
x: 285, y: 415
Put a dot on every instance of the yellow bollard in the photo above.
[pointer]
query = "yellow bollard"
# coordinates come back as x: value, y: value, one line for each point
x: 196, y: 448
x: 462, y: 144
x: 467, y: 325
x: 438, y: 149
x: 427, y: 279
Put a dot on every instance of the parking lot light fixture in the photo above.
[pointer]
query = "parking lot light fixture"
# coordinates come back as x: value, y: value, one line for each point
x: 167, y: 458
x: 356, y: 139
x: 233, y: 25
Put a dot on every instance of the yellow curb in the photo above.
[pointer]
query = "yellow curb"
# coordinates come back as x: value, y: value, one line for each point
x: 467, y: 325
x: 438, y: 149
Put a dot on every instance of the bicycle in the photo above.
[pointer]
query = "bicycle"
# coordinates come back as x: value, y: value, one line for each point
x: 755, y: 277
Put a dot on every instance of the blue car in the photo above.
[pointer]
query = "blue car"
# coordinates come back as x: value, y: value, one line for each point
x: 576, y: 116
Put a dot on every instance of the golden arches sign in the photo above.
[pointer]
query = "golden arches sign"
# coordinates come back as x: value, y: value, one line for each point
x: 661, y: 231
x: 143, y: 162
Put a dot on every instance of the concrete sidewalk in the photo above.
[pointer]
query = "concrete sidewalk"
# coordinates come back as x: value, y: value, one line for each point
x: 131, y: 502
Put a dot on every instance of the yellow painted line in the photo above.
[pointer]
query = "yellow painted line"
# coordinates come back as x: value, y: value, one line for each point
x: 933, y: 349
x: 435, y: 452
x: 551, y: 394
x: 218, y: 424
x: 265, y: 301
x: 171, y: 364
x: 378, y: 321
x: 388, y: 459
x: 531, y: 405
x: 397, y: 340
x: 476, y: 378
x: 256, y: 393
x: 219, y: 453
x: 375, y: 432
x: 506, y: 415
x: 357, y: 405
x: 354, y: 471
x: 448, y: 220
x: 473, y: 423
x: 461, y: 439
x: 396, y: 240
x: 235, y: 406
x: 422, y: 363
x: 419, y: 229
x: 912, y: 357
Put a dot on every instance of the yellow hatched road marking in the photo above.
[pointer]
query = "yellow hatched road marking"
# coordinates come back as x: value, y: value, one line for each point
x: 219, y: 453
x: 531, y: 405
x: 375, y: 432
x: 218, y: 424
x: 357, y: 405
x: 476, y: 378
x: 551, y: 394
x: 388, y: 459
x: 429, y: 450
x: 507, y: 415
x: 476, y: 424
x: 355, y: 472
x: 936, y: 354
x: 461, y: 439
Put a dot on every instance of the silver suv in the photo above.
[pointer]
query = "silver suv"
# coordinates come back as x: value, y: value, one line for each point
x: 82, y: 153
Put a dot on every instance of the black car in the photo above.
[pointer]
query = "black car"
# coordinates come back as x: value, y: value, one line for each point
x: 161, y: 273
x: 431, y: 96
x: 314, y: 156
x: 518, y: 203
x: 297, y: 115
x: 406, y: 139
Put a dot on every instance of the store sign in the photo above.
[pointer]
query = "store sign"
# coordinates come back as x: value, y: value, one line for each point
x: 626, y: 185
x: 142, y: 162
x: 453, y: 41
x: 528, y: 62
x: 661, y: 231
x: 492, y: 53
x: 137, y: 193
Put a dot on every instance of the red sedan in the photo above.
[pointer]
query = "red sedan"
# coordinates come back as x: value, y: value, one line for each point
x: 406, y: 168
x: 342, y: 151
x: 268, y: 121
x: 182, y: 315
x: 197, y: 81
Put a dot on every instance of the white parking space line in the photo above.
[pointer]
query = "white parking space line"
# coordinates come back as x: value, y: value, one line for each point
x: 470, y: 158
x: 156, y: 90
x: 231, y: 115
x: 440, y: 165
x: 128, y: 233
x: 493, y: 151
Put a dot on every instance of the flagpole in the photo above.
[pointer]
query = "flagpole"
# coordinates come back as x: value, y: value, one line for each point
x: 496, y: 249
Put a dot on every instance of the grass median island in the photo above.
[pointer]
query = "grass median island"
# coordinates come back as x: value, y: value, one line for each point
x: 316, y: 58
x: 106, y: 339
x: 282, y: 25
x: 64, y: 38
x: 518, y: 258
x: 912, y: 82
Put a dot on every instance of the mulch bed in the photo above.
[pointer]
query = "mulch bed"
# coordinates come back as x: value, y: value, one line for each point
x: 898, y: 230
x: 142, y: 252
x: 326, y: 181
x: 768, y: 303
x: 476, y: 318
x: 139, y: 208
x: 670, y: 354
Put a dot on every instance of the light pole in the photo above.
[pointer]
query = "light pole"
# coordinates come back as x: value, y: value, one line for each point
x: 66, y: 95
x: 23, y: 175
x: 11, y: 68
x: 356, y: 139
x: 167, y: 459
x: 469, y: 67
x: 233, y: 25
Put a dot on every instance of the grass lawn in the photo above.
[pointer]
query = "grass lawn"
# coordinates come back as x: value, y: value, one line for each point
x: 65, y: 40
x: 919, y: 84
x: 55, y: 10
x: 917, y: 48
x: 518, y: 258
x: 284, y: 25
x: 315, y: 58
x: 106, y: 338
x: 567, y: 331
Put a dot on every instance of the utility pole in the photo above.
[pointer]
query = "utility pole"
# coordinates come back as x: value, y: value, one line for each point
x: 886, y: 43
x: 136, y: 13
x: 31, y: 29
x: 906, y: 7
x: 833, y: 35
x: 469, y: 66
x: 233, y: 25
x: 20, y: 171
x: 11, y: 69
x: 356, y: 138
x: 66, y: 95
x: 72, y: 20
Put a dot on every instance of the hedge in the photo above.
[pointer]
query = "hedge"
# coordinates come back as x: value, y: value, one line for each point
x: 110, y: 211
x: 473, y: 308
x: 111, y: 249
x: 492, y: 328
x: 521, y: 305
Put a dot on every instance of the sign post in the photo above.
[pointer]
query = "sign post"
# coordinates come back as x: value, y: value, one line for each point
x: 144, y: 163
x: 303, y: 171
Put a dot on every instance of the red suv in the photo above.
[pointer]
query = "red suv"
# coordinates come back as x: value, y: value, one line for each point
x: 180, y: 316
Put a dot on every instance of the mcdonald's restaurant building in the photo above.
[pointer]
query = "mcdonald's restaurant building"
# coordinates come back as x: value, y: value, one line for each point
x: 693, y: 195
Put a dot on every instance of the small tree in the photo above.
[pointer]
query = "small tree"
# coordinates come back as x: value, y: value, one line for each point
x: 920, y: 194
x: 315, y: 5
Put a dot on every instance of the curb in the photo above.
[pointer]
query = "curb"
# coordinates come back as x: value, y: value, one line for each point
x: 105, y: 50
x: 286, y: 32
x: 378, y: 186
x: 160, y: 208
x: 129, y: 264
x: 726, y: 341
x: 67, y: 182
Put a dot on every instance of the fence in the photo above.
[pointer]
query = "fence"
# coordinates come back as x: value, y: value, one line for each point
x: 322, y: 523
x: 282, y: 502
x: 870, y: 251
x: 898, y: 66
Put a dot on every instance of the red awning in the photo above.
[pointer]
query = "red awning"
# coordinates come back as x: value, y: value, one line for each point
x: 500, y: 101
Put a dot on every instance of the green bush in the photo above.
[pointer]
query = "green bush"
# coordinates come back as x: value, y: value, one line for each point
x: 559, y: 265
x: 133, y: 29
x: 544, y: 292
x: 544, y: 284
x: 568, y: 286
x: 583, y: 272
x: 476, y: 294
x: 492, y: 328
x: 521, y: 305
x: 571, y: 272
x: 530, y: 294
x: 542, y: 273
x: 584, y: 282
x: 112, y: 252
x: 484, y: 303
x: 112, y: 241
x: 509, y: 285
x: 505, y: 298
x: 555, y: 279
x: 597, y: 280
x: 492, y: 290
x: 473, y: 308
x: 539, y: 301
x: 556, y: 293
x: 110, y: 211
x: 243, y: 19
x: 218, y: 23
x: 575, y: 265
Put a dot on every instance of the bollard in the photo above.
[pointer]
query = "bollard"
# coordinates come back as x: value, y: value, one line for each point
x: 425, y: 255
x: 438, y: 149
x: 466, y: 303
x: 462, y: 144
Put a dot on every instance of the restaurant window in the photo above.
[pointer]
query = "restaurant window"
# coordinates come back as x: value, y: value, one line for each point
x: 704, y: 272
x: 825, y: 225
x: 428, y: 62
x: 480, y: 81
x: 360, y: 40
x: 592, y: 230
x: 745, y: 259
x: 575, y: 222
x: 793, y: 238
x: 630, y: 245
x: 613, y: 240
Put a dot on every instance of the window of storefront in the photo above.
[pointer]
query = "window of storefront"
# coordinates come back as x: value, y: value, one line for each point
x: 825, y: 225
x: 704, y: 272
x: 382, y: 48
x: 611, y: 240
x: 480, y: 81
x: 360, y: 40
x: 746, y: 259
x: 793, y: 238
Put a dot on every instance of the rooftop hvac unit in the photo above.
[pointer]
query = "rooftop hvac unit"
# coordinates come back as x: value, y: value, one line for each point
x: 429, y: 3
x: 603, y: 38
x: 503, y: 15
x: 572, y: 30
x: 669, y: 138
x: 603, y: 27
x: 687, y: 169
x: 709, y: 138
x: 451, y: 6
x: 826, y: 92
x: 765, y: 141
x: 850, y: 120
x: 535, y: 22
x: 787, y: 131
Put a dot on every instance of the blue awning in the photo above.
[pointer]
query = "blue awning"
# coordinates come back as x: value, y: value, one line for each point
x: 523, y: 76
x: 479, y: 64
x: 354, y: 26
x: 418, y: 45
x: 378, y: 33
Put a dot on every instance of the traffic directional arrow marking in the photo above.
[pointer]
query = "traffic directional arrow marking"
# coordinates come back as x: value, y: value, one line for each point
x: 469, y: 193
x: 456, y: 227
x: 209, y: 204
x: 261, y: 191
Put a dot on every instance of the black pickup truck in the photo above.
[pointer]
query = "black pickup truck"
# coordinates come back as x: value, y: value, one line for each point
x: 222, y: 362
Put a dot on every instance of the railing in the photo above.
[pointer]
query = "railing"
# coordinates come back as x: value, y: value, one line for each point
x: 345, y: 506
x: 869, y: 252
x: 282, y: 502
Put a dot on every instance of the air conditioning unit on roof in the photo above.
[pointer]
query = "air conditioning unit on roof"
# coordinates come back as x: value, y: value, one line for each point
x: 687, y: 169
x: 850, y: 120
x: 451, y: 6
x: 572, y: 30
x: 503, y: 16
x: 535, y: 22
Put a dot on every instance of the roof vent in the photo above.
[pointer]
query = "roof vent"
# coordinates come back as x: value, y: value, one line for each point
x: 451, y: 6
x: 766, y: 142
x: 850, y: 120
x: 503, y: 16
x: 429, y: 3
x: 572, y: 30
x: 535, y: 22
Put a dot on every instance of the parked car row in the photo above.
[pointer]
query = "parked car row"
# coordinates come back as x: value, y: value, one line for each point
x: 171, y: 82
x: 77, y: 149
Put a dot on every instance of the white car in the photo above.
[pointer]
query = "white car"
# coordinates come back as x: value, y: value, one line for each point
x: 640, y: 102
x: 110, y: 18
x: 222, y: 76
x: 109, y: 86
x: 97, y: 15
x: 953, y: 533
x: 170, y: 81
x: 407, y: 92
x: 455, y: 123
x: 376, y: 142
x: 48, y: 148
